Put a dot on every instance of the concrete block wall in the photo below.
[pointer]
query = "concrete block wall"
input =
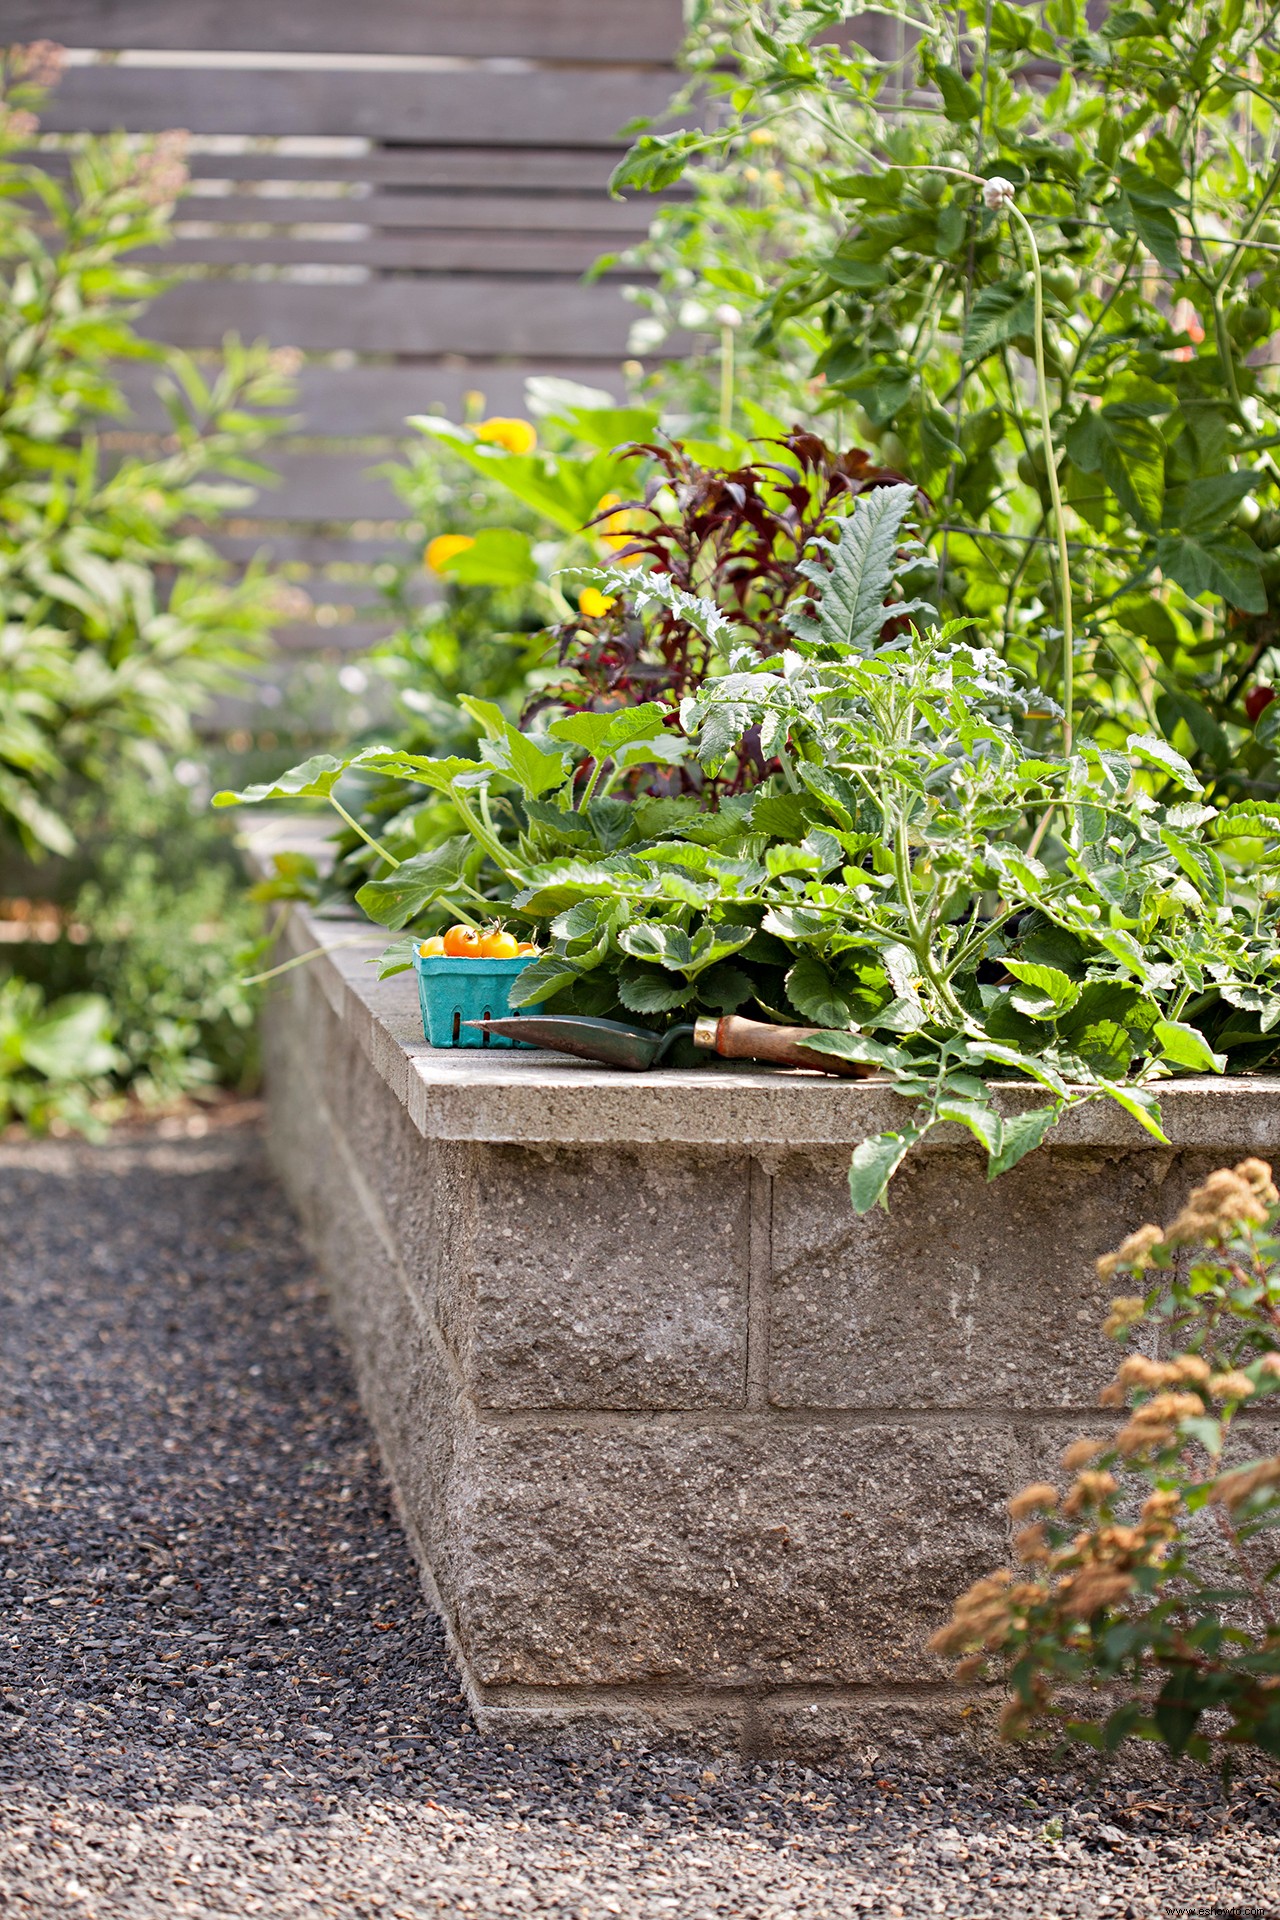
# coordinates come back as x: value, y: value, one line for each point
x: 678, y: 1439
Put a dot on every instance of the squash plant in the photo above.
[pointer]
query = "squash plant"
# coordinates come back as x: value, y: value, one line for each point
x: 951, y: 905
x: 1143, y: 145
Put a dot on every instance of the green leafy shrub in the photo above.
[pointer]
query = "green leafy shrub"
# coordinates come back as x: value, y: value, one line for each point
x: 1146, y: 171
x: 117, y: 619
x: 701, y: 552
x: 1151, y: 1579
x: 506, y: 502
x: 158, y: 925
x: 55, y: 1062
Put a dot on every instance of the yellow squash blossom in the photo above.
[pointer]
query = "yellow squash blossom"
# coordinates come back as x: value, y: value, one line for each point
x: 592, y: 604
x: 444, y: 548
x: 517, y: 436
x: 618, y: 530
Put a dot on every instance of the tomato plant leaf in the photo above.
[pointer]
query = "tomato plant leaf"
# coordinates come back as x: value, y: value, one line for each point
x: 874, y: 1163
x: 1020, y: 1134
x: 1225, y: 563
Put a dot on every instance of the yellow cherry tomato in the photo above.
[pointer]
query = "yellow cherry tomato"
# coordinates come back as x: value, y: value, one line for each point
x: 434, y: 945
x: 498, y: 945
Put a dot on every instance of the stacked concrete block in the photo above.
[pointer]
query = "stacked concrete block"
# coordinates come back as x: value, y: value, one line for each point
x: 679, y: 1440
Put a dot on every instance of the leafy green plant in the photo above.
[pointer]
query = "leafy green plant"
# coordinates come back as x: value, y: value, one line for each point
x: 54, y: 1060
x: 717, y: 550
x: 703, y: 551
x: 1147, y: 171
x: 116, y: 618
x: 953, y: 907
x: 157, y: 923
x: 1150, y: 1579
x: 505, y: 502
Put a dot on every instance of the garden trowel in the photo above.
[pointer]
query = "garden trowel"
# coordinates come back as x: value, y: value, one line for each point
x: 614, y: 1043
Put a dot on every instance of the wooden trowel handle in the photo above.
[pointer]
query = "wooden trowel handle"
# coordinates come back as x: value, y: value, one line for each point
x: 737, y: 1039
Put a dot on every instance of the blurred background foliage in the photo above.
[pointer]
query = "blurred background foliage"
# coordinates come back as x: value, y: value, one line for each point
x: 118, y: 620
x: 836, y: 270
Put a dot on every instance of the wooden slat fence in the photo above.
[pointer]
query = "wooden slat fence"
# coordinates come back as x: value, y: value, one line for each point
x: 407, y: 191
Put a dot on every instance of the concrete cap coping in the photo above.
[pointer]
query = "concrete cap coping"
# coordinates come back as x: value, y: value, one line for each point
x: 536, y: 1098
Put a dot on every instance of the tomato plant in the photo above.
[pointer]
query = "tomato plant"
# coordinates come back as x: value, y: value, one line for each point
x: 1144, y: 150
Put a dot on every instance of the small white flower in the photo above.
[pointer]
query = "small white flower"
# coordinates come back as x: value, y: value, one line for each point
x: 727, y: 317
x: 998, y: 193
x: 646, y: 336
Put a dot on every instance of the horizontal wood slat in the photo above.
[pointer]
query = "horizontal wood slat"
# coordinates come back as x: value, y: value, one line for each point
x: 376, y: 401
x: 297, y: 697
x: 316, y: 550
x: 479, y: 201
x: 539, y: 212
x: 328, y: 486
x: 531, y: 170
x: 475, y: 315
x: 646, y: 30
x: 474, y: 106
x: 353, y: 637
x: 388, y: 253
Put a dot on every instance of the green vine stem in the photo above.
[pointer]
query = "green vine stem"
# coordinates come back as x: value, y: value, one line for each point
x: 998, y: 195
x: 728, y: 320
x: 368, y: 838
x: 301, y: 959
x: 1051, y: 468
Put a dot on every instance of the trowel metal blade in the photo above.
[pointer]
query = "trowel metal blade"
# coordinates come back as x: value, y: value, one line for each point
x: 612, y: 1043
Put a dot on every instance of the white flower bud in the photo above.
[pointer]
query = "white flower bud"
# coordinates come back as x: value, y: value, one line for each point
x: 998, y: 193
x: 727, y: 317
x: 646, y: 336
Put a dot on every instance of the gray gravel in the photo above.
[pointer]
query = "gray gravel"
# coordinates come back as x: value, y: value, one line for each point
x: 221, y: 1692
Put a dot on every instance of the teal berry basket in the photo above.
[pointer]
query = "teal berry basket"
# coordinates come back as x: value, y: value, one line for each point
x: 451, y: 992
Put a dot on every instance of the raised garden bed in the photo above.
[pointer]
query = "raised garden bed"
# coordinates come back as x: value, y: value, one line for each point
x: 679, y: 1439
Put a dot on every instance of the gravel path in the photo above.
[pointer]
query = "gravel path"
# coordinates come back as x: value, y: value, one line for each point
x: 222, y: 1694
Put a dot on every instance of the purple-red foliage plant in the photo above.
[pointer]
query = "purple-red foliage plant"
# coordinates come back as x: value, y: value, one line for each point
x: 733, y: 536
